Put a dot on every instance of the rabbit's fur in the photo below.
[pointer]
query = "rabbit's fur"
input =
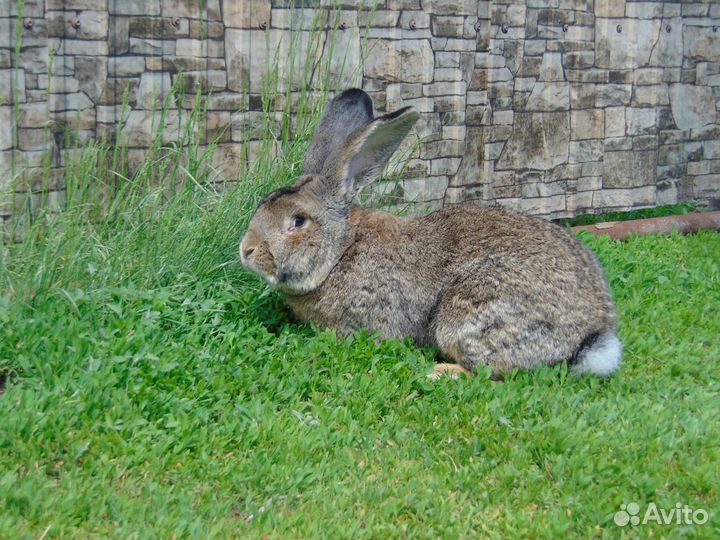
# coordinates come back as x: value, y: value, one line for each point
x: 485, y: 286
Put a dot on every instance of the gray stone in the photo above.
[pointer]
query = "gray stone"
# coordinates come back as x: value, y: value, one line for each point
x: 701, y: 43
x: 6, y: 134
x: 124, y: 66
x: 706, y: 185
x: 93, y: 24
x: 628, y: 49
x: 425, y: 189
x: 70, y: 102
x: 549, y: 97
x: 615, y: 122
x: 668, y: 50
x: 551, y: 68
x: 691, y: 105
x: 445, y: 88
x: 609, y: 95
x: 407, y: 60
x: 455, y: 7
x: 199, y: 47
x: 640, y: 121
x: 629, y: 169
x: 538, y: 141
x: 610, y: 8
x: 624, y: 198
x: 587, y: 124
x: 585, y: 151
x: 91, y: 73
x: 542, y: 205
x: 651, y: 96
x: 579, y: 59
x: 579, y: 202
x: 644, y: 10
x: 153, y: 89
x: 135, y: 7
x: 157, y: 47
x: 250, y: 54
x: 185, y: 8
x: 649, y: 76
x: 12, y: 86
x: 118, y: 35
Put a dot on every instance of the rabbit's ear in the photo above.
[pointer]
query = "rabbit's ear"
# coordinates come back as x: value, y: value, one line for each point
x: 347, y: 112
x: 367, y: 152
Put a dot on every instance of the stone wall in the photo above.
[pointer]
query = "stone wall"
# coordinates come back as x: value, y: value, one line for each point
x: 552, y: 107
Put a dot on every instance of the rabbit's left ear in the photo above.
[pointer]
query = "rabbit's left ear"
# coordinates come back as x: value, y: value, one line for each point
x: 367, y: 151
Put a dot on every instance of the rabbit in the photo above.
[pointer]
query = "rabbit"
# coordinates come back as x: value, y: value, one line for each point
x: 485, y: 286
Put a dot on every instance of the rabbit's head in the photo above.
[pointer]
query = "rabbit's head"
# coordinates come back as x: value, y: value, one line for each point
x: 299, y: 233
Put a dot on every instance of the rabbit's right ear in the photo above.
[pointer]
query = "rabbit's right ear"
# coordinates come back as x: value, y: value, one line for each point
x: 347, y: 112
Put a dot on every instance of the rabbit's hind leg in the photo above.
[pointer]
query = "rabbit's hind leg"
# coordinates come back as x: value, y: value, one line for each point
x: 480, y: 321
x: 452, y: 371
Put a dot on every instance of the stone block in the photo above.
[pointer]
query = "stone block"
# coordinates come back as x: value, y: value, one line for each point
x: 118, y: 35
x: 75, y: 101
x: 668, y: 50
x: 248, y: 14
x: 587, y: 124
x: 551, y: 68
x: 457, y: 88
x: 444, y: 166
x: 7, y: 133
x: 624, y: 198
x: 691, y: 104
x: 448, y: 26
x: 405, y: 60
x: 610, y: 8
x: 91, y: 73
x: 610, y: 95
x: 154, y: 87
x: 155, y: 47
x: 549, y: 97
x: 615, y: 122
x: 579, y: 59
x: 585, y: 150
x: 125, y: 66
x: 249, y: 53
x: 538, y: 141
x: 579, y: 202
x: 199, y: 47
x: 12, y: 86
x: 701, y: 43
x: 629, y: 169
x: 542, y: 205
x: 135, y: 7
x: 187, y: 8
x: 651, y: 96
x: 425, y: 189
x: 707, y: 185
x: 640, y: 121
x: 628, y: 49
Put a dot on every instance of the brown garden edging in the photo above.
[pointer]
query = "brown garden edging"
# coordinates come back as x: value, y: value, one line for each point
x: 687, y: 224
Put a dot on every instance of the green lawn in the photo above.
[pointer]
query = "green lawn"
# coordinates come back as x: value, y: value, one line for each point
x: 199, y: 409
x: 156, y: 390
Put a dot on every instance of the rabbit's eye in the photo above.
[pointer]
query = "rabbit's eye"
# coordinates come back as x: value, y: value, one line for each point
x: 298, y: 222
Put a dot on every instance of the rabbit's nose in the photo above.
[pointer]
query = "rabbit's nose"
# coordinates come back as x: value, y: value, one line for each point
x: 248, y: 251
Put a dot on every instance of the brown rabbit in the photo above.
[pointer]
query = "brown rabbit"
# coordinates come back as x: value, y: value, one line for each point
x: 485, y: 286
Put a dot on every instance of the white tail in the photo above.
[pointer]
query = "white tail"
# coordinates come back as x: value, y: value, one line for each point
x: 602, y: 358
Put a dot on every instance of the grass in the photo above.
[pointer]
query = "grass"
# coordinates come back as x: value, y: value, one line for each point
x: 643, y: 213
x: 155, y: 389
